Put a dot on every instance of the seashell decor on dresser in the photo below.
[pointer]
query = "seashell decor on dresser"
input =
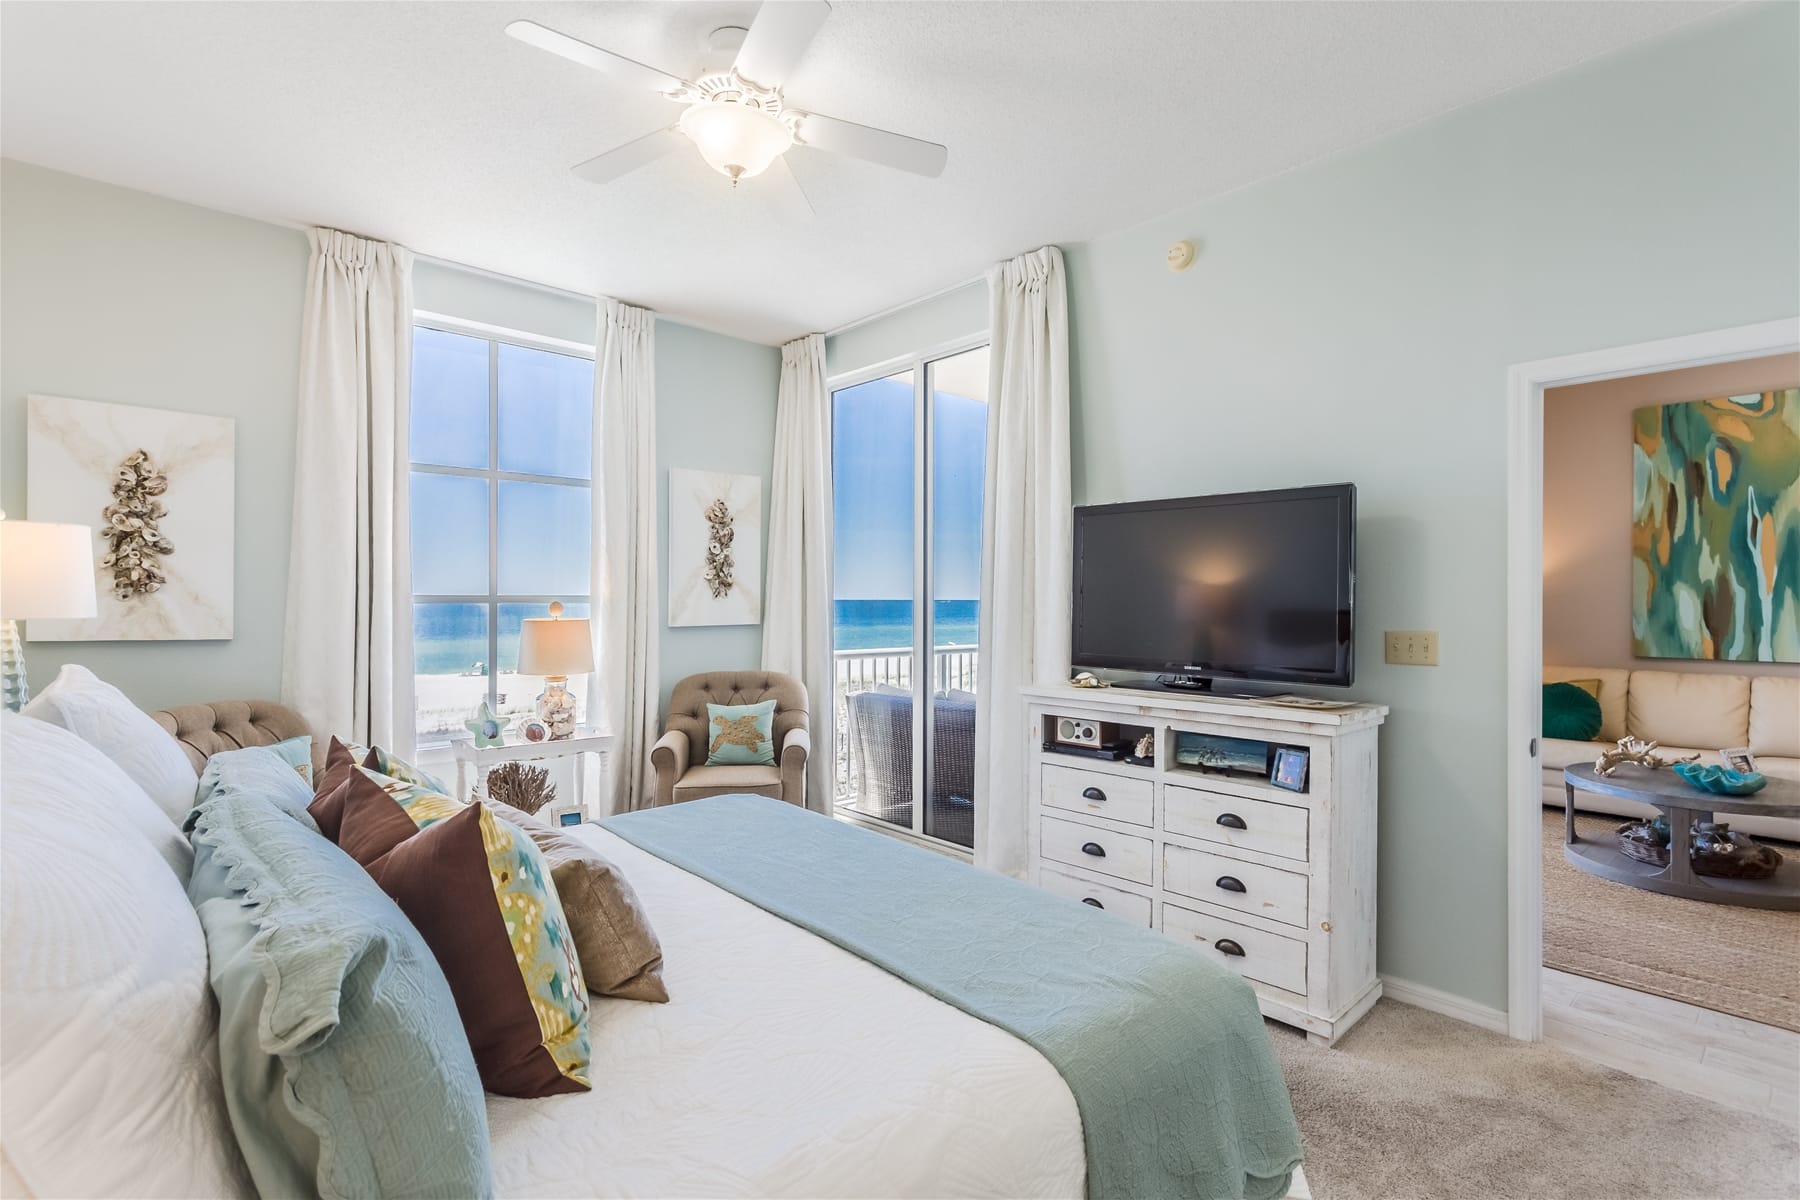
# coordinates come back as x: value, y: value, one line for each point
x: 158, y: 488
x: 715, y: 548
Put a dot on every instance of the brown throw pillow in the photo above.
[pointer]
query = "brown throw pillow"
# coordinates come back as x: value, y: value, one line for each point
x: 327, y: 807
x: 620, y: 955
x: 460, y: 882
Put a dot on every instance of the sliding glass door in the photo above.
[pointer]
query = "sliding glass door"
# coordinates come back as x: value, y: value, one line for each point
x: 909, y: 453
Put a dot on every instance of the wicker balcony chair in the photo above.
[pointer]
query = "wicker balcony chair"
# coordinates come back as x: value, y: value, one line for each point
x: 881, y: 725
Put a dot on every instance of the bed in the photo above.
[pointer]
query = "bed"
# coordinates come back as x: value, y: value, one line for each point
x: 783, y: 1066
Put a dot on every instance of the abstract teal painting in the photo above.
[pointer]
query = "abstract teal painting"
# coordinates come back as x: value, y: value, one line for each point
x: 1715, y: 539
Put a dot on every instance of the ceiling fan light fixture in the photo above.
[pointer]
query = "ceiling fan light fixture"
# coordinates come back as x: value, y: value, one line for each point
x: 736, y: 140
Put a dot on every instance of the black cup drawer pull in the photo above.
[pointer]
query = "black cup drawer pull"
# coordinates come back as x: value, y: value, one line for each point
x: 1232, y: 821
x: 1229, y: 883
x: 1093, y: 794
x: 1093, y: 848
x: 1089, y: 900
x: 1229, y: 947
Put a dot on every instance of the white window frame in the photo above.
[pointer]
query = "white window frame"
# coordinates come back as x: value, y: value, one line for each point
x: 918, y: 363
x: 493, y: 598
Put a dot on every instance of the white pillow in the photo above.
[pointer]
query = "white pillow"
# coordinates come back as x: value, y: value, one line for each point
x: 99, y: 714
x: 109, y: 1066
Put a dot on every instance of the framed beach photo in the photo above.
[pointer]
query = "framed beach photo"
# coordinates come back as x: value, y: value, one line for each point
x: 1290, y: 769
x: 1739, y: 759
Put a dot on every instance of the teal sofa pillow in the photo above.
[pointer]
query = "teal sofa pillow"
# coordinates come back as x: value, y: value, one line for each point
x: 257, y: 774
x: 296, y: 752
x: 345, y: 1068
x: 395, y: 767
x: 740, y: 735
x: 1570, y: 712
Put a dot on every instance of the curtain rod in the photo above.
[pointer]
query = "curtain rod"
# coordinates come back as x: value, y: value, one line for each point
x: 905, y: 304
x: 503, y: 277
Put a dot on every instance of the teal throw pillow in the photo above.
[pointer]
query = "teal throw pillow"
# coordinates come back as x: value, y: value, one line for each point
x: 395, y: 767
x: 343, y: 1060
x: 740, y: 735
x: 296, y: 752
x: 1570, y: 713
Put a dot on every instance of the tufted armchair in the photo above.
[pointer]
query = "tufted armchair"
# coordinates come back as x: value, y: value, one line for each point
x: 679, y: 756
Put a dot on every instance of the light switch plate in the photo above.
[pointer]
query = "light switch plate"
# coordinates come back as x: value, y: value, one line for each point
x: 1412, y: 647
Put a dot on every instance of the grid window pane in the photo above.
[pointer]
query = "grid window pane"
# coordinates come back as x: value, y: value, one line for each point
x: 449, y: 426
x: 450, y: 649
x: 546, y: 413
x: 545, y: 539
x: 449, y: 534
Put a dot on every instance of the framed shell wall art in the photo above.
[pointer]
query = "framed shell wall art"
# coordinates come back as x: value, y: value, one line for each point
x: 715, y: 548
x: 158, y: 489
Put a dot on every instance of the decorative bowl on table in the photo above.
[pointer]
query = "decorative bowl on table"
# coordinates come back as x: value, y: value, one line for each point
x: 1720, y: 781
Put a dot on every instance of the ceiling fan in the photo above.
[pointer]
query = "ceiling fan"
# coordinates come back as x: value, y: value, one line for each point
x: 737, y: 117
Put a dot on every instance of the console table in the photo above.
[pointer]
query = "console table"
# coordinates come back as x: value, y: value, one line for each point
x: 1681, y: 804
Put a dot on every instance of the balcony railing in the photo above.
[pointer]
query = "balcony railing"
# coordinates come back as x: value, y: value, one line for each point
x: 953, y: 669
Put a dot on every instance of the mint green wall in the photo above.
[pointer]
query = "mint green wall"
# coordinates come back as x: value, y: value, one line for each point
x: 715, y: 411
x: 1354, y: 320
x: 946, y: 318
x: 118, y: 295
x: 115, y: 295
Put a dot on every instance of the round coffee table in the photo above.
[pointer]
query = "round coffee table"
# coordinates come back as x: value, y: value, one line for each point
x: 1665, y: 790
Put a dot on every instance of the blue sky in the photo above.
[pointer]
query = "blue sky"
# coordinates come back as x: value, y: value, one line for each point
x: 872, y: 448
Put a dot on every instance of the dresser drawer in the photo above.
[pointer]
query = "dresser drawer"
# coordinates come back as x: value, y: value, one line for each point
x: 1100, y: 850
x: 1236, y: 821
x: 1118, y: 901
x: 1233, y: 883
x: 1103, y: 795
x: 1266, y: 957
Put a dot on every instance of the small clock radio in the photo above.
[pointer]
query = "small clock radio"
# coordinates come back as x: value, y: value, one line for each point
x: 1078, y: 731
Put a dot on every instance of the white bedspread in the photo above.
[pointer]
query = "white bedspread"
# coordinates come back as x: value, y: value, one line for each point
x: 784, y: 1066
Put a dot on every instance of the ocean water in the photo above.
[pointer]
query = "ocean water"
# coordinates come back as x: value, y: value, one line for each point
x: 449, y: 639
x: 869, y: 624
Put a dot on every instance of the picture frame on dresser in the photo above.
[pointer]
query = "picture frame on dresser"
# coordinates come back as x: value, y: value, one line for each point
x: 1276, y: 884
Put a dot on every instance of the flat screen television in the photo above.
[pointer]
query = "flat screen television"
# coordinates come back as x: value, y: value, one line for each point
x: 1252, y: 586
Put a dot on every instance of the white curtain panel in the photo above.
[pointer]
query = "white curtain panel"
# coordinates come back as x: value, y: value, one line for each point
x: 797, y: 611
x: 347, y: 650
x: 1026, y: 527
x: 625, y: 688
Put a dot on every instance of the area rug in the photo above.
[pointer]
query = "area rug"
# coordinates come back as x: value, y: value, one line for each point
x: 1743, y: 961
x: 1413, y: 1104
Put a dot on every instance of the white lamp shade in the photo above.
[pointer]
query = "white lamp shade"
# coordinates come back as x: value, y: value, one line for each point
x: 46, y: 570
x: 735, y: 139
x: 549, y: 646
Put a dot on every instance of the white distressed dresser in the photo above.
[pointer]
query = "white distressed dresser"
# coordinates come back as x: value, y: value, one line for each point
x: 1278, y: 885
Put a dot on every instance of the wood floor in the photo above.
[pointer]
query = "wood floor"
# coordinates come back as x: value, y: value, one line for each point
x: 1723, y: 1058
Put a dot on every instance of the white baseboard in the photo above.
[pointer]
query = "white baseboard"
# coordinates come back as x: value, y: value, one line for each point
x: 1432, y: 1000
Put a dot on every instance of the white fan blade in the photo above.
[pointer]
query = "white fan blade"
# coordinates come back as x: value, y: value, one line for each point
x: 785, y: 194
x: 779, y: 35
x: 604, y: 61
x: 622, y: 160
x: 876, y: 145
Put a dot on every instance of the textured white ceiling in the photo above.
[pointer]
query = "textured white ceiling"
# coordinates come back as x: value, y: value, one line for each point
x: 421, y: 123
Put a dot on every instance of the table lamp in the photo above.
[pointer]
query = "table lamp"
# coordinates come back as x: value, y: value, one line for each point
x: 46, y: 570
x: 556, y: 649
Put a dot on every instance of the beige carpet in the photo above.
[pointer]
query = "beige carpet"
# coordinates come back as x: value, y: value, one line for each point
x: 1744, y: 961
x: 1411, y: 1104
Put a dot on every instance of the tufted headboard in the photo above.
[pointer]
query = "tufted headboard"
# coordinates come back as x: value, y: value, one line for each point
x: 208, y: 729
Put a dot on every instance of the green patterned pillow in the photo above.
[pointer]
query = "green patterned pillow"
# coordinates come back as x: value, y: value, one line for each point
x: 740, y: 735
x: 395, y: 767
x: 423, y: 803
x: 517, y: 981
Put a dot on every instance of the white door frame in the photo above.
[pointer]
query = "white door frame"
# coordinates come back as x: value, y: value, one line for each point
x: 1525, y: 387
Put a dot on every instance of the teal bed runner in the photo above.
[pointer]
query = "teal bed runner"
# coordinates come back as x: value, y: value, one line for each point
x: 1164, y: 1051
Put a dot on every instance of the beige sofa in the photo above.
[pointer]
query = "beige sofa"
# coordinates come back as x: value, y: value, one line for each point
x: 1685, y: 713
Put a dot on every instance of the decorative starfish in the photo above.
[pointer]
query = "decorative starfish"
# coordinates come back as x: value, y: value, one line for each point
x: 486, y: 727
